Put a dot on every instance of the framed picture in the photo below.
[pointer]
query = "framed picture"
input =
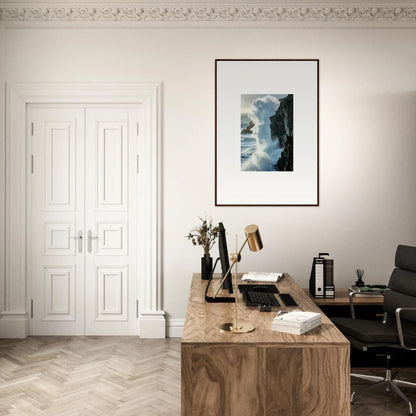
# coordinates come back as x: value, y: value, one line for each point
x: 266, y: 132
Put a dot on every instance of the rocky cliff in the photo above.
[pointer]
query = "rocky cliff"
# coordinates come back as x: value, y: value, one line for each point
x: 285, y: 161
x: 281, y: 128
x: 248, y: 129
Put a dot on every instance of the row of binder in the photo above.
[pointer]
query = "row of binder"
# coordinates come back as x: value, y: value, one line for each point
x: 321, y: 282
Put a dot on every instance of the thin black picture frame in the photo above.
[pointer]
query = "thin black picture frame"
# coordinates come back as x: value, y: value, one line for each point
x: 217, y: 202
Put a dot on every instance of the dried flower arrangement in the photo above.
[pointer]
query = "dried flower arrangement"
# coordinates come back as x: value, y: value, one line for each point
x: 204, y: 235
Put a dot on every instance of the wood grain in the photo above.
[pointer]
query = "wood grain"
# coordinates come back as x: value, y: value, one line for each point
x: 282, y: 398
x: 203, y: 319
x: 330, y: 398
x: 264, y: 372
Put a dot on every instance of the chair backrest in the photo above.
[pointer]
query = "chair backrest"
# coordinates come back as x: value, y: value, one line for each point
x: 402, y: 284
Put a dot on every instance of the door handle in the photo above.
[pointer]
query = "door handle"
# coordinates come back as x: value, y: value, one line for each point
x: 90, y: 238
x: 79, y: 238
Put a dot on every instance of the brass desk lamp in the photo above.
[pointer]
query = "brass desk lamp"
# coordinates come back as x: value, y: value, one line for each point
x: 253, y: 239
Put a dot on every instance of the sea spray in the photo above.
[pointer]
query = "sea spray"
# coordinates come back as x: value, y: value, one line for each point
x: 265, y: 151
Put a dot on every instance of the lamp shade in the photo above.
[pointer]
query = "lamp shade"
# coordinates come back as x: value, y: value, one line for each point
x: 253, y: 237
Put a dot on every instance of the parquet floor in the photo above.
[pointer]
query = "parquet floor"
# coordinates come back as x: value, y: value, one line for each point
x: 94, y: 376
x: 119, y: 376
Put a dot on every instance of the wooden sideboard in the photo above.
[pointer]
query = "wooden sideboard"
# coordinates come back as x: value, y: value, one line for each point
x: 366, y: 307
x: 264, y: 372
x: 342, y: 299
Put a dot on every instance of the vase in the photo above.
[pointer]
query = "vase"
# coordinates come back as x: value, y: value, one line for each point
x: 359, y: 283
x: 206, y: 268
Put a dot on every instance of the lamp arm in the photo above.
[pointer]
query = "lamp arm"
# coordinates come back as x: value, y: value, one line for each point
x: 230, y: 268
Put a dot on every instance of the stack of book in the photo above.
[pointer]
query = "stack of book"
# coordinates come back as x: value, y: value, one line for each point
x: 296, y: 322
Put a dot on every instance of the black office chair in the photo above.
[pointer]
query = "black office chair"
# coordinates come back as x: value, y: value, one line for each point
x: 398, y: 329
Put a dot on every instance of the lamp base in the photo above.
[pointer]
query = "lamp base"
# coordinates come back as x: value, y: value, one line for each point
x: 241, y: 329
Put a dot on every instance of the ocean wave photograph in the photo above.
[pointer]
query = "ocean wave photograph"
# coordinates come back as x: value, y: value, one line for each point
x: 266, y: 132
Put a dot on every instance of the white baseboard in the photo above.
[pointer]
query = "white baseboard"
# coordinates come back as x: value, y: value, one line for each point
x: 152, y: 324
x: 13, y: 325
x: 175, y: 328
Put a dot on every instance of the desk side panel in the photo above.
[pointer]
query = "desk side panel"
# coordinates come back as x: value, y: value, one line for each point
x: 326, y: 381
x: 283, y: 381
x: 264, y: 380
x: 226, y: 381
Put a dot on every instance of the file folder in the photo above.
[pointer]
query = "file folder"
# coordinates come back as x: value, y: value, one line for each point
x: 321, y: 281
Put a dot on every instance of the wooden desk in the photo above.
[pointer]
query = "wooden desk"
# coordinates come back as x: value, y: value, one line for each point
x: 263, y: 372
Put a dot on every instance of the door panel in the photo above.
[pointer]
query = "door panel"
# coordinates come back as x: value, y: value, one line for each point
x: 60, y: 165
x: 56, y: 212
x: 58, y: 238
x: 112, y: 163
x: 111, y: 221
x: 112, y: 296
x: 112, y: 239
x: 59, y: 289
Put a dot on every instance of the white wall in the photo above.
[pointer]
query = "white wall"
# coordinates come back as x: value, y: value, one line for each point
x: 367, y: 135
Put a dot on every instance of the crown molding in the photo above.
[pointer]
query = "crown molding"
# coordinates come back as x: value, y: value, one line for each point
x: 207, y: 13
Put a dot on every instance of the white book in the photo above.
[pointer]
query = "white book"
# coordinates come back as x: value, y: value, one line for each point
x: 262, y: 277
x: 292, y: 330
x: 296, y: 322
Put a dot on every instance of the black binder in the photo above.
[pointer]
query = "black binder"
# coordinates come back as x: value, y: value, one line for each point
x: 329, y: 279
x: 321, y: 281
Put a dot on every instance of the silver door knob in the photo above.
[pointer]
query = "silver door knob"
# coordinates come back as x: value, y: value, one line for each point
x: 79, y: 238
x: 90, y: 238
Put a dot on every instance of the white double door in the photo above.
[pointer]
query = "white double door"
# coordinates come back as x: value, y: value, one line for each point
x: 83, y: 213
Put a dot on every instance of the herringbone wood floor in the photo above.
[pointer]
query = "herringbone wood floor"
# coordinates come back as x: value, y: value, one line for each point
x: 120, y: 376
x: 94, y: 376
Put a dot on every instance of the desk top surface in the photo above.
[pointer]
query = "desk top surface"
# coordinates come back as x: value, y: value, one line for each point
x: 203, y: 319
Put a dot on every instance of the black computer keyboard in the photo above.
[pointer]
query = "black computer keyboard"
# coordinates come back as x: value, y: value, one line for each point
x: 259, y: 298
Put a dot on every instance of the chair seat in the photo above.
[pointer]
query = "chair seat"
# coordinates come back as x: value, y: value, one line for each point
x: 374, y: 331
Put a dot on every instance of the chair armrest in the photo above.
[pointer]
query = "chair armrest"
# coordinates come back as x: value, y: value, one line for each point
x: 400, y: 329
x: 352, y: 294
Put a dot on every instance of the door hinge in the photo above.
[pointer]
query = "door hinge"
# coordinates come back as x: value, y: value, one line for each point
x: 137, y: 308
x: 137, y: 132
x: 137, y: 163
x: 31, y: 308
x: 31, y: 163
x: 32, y: 129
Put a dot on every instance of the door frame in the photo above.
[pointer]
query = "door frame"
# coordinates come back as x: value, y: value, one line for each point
x: 14, y: 317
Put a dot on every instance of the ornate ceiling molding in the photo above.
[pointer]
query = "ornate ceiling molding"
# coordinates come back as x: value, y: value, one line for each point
x: 215, y: 13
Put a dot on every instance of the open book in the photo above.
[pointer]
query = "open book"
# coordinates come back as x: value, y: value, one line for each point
x: 262, y: 277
